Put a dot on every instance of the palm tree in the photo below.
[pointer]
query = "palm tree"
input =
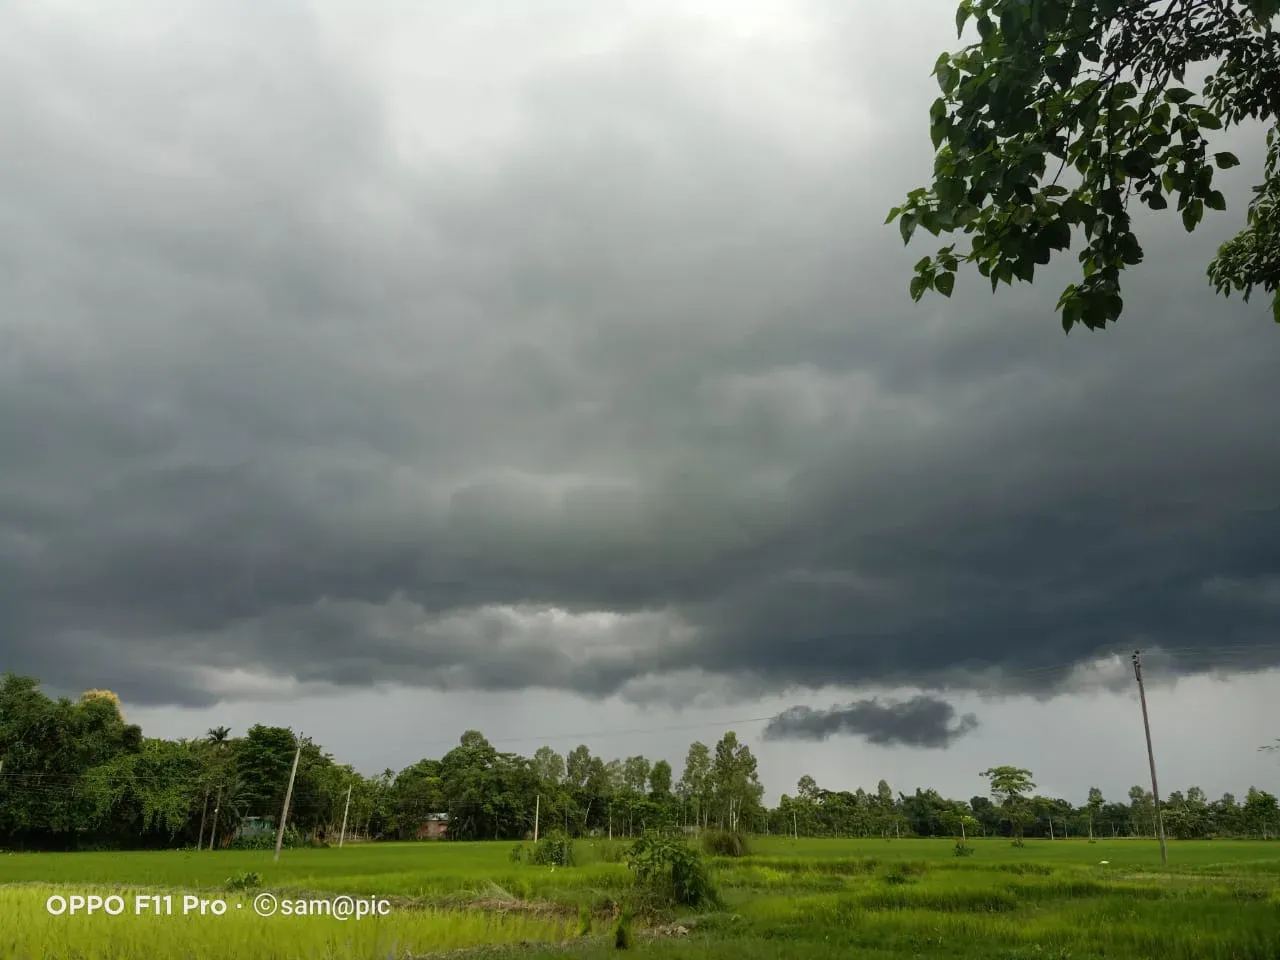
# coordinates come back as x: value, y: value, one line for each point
x: 218, y: 735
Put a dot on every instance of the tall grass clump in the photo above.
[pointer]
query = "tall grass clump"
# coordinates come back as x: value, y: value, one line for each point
x: 725, y: 843
x: 622, y: 937
x: 554, y: 850
x: 669, y: 868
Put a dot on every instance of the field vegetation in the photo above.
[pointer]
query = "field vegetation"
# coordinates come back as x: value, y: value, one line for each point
x: 806, y: 898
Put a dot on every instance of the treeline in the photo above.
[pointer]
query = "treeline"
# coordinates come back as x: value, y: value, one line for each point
x: 77, y: 775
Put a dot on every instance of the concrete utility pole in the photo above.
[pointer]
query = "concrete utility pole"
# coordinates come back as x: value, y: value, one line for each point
x: 288, y: 795
x: 1151, y: 757
x: 343, y: 835
x: 204, y: 813
x: 537, y: 810
x: 213, y: 827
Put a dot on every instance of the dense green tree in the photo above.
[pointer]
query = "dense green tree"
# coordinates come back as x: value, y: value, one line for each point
x: 1096, y: 87
x: 1010, y: 786
x: 660, y: 780
x: 695, y: 786
x: 549, y: 766
x: 1094, y: 805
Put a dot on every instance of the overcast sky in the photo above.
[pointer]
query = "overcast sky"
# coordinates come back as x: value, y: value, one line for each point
x: 393, y: 368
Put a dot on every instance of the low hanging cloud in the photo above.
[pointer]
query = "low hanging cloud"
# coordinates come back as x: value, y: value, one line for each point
x: 918, y: 722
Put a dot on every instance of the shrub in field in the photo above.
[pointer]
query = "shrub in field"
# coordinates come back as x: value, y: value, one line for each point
x: 962, y: 849
x: 267, y: 841
x: 622, y: 932
x: 244, y: 880
x: 669, y: 867
x: 554, y: 850
x: 725, y: 843
x: 584, y: 920
x: 902, y: 873
x: 517, y: 854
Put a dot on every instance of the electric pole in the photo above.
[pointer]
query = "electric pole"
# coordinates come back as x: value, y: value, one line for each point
x: 213, y: 827
x: 204, y: 812
x: 537, y: 809
x: 343, y: 835
x: 1151, y: 757
x: 288, y: 795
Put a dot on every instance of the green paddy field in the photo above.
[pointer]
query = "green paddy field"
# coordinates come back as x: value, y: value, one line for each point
x: 805, y: 899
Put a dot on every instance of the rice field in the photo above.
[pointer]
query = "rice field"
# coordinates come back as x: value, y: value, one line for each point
x: 807, y: 899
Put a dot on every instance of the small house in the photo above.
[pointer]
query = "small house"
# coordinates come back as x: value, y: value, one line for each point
x: 255, y: 827
x: 433, y: 827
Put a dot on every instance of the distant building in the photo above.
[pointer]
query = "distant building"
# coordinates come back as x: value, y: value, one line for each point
x: 434, y: 826
x: 255, y: 826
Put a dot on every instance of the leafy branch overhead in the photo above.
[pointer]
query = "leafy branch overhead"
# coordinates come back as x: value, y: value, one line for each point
x: 1064, y: 111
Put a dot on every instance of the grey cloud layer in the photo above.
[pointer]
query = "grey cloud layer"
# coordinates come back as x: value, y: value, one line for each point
x: 312, y: 370
x: 918, y: 722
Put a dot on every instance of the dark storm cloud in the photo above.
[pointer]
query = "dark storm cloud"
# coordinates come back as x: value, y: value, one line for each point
x: 594, y: 372
x: 918, y: 722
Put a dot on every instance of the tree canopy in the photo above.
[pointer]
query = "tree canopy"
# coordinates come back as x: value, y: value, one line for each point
x: 1093, y: 89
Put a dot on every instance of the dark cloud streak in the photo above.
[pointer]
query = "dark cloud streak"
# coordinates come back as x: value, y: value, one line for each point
x: 919, y: 722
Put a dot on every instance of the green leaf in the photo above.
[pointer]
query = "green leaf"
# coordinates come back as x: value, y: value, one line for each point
x: 948, y: 78
x: 938, y: 132
x: 1124, y: 91
x: 1138, y: 163
x: 1214, y: 200
x: 1156, y: 201
x: 1178, y: 95
x: 1207, y: 120
x: 1071, y: 314
x: 1275, y: 307
x: 1058, y: 234
x: 1225, y: 160
x: 1192, y: 213
x: 918, y: 286
x: 962, y: 16
x: 950, y: 190
x: 907, y: 226
x: 945, y: 283
x: 893, y: 215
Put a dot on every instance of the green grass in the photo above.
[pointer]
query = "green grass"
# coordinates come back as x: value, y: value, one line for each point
x: 28, y: 930
x: 807, y: 899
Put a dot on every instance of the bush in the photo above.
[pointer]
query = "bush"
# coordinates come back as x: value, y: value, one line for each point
x: 724, y: 843
x: 622, y: 932
x: 517, y: 854
x: 244, y: 881
x: 901, y: 873
x: 962, y: 849
x: 554, y: 850
x: 669, y: 867
x: 267, y: 841
x: 584, y: 920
